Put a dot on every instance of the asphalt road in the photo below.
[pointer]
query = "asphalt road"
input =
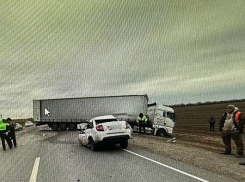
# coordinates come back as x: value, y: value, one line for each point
x: 46, y: 156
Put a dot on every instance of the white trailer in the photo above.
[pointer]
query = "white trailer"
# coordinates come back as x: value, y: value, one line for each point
x: 69, y: 112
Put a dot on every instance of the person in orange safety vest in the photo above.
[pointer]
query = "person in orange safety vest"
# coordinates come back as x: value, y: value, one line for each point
x: 231, y: 127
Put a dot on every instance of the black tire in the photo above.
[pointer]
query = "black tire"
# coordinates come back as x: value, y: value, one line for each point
x: 161, y: 133
x: 124, y: 144
x: 72, y: 126
x: 62, y: 126
x: 93, y: 145
x: 54, y: 126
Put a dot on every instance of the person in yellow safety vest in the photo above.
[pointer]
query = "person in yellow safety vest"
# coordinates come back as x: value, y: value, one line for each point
x: 4, y: 135
x: 141, y: 120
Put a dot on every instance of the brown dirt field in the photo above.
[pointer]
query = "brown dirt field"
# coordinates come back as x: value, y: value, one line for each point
x: 192, y: 127
x: 195, y: 144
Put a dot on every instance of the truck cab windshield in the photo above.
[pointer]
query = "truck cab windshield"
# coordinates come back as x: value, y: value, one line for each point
x: 168, y: 115
x: 171, y: 115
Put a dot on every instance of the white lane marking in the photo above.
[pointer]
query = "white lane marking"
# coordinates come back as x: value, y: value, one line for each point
x: 34, y: 170
x: 182, y: 172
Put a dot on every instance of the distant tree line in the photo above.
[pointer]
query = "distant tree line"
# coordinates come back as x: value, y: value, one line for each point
x: 206, y: 103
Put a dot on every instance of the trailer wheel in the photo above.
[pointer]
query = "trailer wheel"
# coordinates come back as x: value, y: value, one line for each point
x: 54, y: 126
x: 72, y: 126
x: 124, y: 143
x: 62, y: 126
x: 161, y: 133
x: 93, y: 145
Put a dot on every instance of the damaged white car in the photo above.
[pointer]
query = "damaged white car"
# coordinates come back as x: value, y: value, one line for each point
x: 104, y: 129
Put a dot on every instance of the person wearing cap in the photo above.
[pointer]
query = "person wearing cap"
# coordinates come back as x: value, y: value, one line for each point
x: 141, y: 120
x: 4, y: 135
x: 11, y: 129
x: 231, y: 127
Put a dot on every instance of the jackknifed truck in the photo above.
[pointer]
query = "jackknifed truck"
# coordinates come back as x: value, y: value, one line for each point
x: 68, y: 113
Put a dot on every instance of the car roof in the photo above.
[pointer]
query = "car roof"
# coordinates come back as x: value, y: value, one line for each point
x: 105, y: 117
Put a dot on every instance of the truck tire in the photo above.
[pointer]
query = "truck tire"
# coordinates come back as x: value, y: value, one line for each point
x: 161, y: 133
x: 72, y: 126
x: 62, y: 126
x: 93, y: 145
x: 54, y: 126
x: 124, y: 143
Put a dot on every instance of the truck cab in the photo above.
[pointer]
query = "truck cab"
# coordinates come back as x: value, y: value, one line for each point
x: 161, y: 119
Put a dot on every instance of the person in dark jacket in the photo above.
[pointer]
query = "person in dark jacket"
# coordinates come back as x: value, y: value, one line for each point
x: 11, y: 129
x: 4, y: 135
x: 231, y: 126
x: 211, y: 123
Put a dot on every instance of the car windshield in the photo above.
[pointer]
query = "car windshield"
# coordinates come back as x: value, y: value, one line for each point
x: 105, y: 120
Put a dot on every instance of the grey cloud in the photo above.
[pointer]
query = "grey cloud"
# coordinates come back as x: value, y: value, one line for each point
x: 176, y: 52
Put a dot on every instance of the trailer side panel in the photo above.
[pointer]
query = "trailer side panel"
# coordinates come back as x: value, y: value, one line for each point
x: 85, y: 108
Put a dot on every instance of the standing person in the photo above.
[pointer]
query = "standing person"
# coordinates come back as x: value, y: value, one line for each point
x: 211, y: 123
x: 231, y: 127
x: 4, y: 135
x: 11, y: 129
x: 141, y: 120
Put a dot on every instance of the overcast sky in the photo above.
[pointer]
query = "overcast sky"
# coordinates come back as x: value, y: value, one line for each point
x: 176, y: 51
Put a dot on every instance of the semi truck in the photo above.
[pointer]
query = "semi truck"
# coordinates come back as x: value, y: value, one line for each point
x: 68, y: 113
x: 161, y: 120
